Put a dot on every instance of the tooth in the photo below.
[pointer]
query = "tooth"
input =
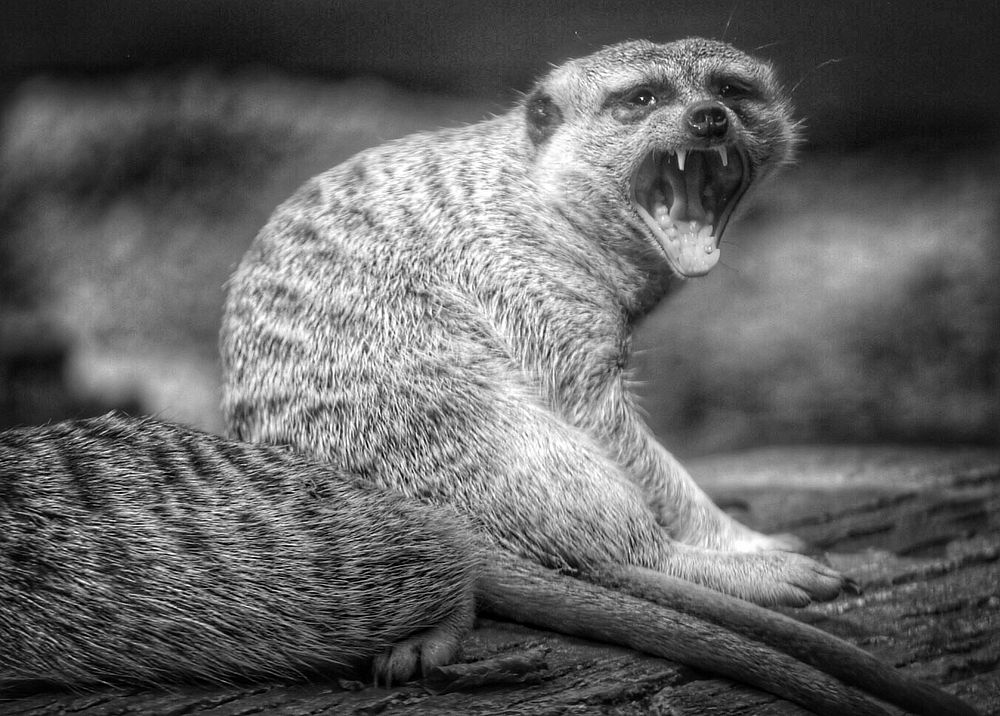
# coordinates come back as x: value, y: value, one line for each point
x: 681, y: 155
x: 723, y: 155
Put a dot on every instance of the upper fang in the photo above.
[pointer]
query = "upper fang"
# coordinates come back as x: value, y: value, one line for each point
x: 723, y: 154
x: 681, y: 156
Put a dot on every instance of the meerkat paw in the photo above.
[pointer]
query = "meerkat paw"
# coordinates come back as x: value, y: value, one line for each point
x: 780, y: 578
x: 401, y: 661
x: 773, y: 578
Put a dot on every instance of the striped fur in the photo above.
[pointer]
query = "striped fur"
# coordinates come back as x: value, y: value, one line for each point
x: 134, y: 551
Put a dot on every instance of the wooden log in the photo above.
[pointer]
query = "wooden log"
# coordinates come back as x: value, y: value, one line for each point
x: 917, y: 528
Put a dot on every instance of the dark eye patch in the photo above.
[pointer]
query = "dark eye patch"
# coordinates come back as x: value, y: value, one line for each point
x: 735, y: 88
x: 642, y: 97
x: 635, y: 102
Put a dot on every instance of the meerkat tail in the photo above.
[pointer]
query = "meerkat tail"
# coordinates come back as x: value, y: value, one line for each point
x: 813, y: 646
x: 529, y: 594
x: 711, y: 631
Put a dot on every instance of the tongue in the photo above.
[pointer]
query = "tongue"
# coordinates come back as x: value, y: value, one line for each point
x: 686, y: 186
x: 690, y: 244
x: 692, y: 252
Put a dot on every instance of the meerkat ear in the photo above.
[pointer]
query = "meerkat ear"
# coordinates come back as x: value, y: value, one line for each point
x: 543, y: 115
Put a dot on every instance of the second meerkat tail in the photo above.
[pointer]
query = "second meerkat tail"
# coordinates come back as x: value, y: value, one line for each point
x: 804, y: 642
x: 724, y: 641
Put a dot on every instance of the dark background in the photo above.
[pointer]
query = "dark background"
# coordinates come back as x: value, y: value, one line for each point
x: 862, y: 70
x: 143, y: 144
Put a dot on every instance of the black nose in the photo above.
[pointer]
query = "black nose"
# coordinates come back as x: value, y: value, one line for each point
x: 707, y: 120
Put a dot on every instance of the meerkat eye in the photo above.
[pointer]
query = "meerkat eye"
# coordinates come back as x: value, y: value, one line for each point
x: 734, y: 89
x: 642, y: 97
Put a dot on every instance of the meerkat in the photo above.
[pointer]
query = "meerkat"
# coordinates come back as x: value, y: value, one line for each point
x: 449, y: 316
x: 427, y: 349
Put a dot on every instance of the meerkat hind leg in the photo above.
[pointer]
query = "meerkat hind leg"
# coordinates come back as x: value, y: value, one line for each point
x: 423, y: 651
x: 400, y: 662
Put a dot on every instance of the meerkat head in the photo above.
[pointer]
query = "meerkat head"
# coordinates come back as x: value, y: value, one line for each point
x: 664, y: 140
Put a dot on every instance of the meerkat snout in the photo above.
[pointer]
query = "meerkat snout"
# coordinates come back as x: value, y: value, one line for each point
x: 707, y: 120
x: 686, y: 194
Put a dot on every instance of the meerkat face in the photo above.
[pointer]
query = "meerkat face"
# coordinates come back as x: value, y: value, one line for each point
x: 672, y: 135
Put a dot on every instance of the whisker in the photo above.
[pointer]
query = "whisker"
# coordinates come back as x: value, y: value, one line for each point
x: 821, y: 65
x: 767, y: 45
x: 729, y: 20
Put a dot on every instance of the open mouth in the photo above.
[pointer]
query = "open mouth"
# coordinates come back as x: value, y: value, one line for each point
x: 686, y: 197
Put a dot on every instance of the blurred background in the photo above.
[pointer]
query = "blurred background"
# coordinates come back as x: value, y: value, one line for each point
x: 143, y: 144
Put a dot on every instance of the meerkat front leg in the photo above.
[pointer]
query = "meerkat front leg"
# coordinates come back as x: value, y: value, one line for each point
x: 551, y: 494
x: 701, y: 522
x: 678, y: 503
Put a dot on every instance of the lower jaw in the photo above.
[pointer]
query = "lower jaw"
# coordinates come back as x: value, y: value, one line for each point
x: 691, y: 248
x: 692, y: 255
